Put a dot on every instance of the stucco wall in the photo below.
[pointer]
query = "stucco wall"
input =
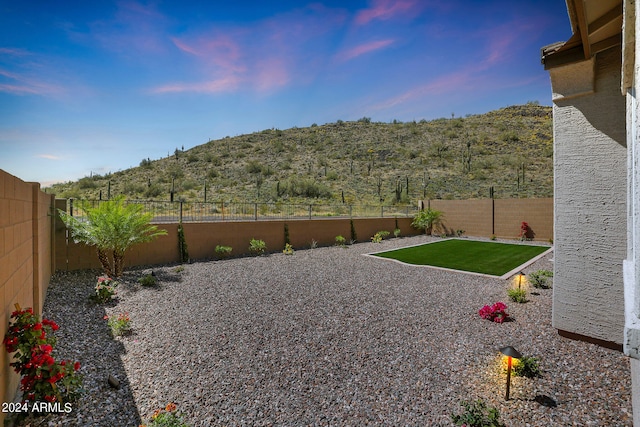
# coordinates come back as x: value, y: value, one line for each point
x: 25, y: 259
x: 590, y: 198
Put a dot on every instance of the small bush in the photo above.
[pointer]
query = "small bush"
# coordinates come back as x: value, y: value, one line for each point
x: 527, y: 367
x: 517, y: 295
x: 396, y: 232
x: 459, y: 233
x: 493, y: 237
x: 313, y: 244
x: 223, y: 251
x: 379, y: 236
x: 540, y: 279
x: 120, y: 325
x: 288, y: 249
x: 257, y: 246
x: 477, y: 414
x: 496, y: 312
x: 148, y: 280
x: 340, y: 241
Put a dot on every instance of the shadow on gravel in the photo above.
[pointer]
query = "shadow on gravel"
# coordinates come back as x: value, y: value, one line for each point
x: 84, y: 336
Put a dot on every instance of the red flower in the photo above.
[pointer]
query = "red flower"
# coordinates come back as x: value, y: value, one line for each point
x: 76, y: 366
x: 37, y: 326
x: 50, y: 398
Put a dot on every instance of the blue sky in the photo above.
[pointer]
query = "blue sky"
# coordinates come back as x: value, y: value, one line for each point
x: 95, y: 87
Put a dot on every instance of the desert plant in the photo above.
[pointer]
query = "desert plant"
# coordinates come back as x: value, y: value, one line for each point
x: 223, y: 251
x: 354, y: 236
x: 427, y: 220
x: 540, y: 279
x: 183, y: 250
x: 496, y: 312
x: 148, y: 280
x: 379, y: 236
x: 257, y: 246
x: 105, y: 289
x: 493, y: 237
x: 286, y: 234
x: 527, y: 366
x: 517, y: 295
x: 340, y: 240
x: 167, y: 417
x: 396, y: 232
x: 288, y: 249
x: 459, y: 232
x: 477, y: 414
x: 43, y: 378
x: 112, y: 227
x: 120, y: 325
x: 313, y: 244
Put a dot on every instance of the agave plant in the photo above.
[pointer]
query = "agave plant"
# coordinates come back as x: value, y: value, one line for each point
x: 112, y: 227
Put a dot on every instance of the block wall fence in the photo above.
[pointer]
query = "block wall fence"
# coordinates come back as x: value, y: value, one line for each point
x: 34, y: 242
x: 26, y: 259
x: 499, y: 217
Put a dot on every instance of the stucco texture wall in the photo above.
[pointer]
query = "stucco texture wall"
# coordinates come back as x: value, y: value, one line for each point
x: 590, y: 201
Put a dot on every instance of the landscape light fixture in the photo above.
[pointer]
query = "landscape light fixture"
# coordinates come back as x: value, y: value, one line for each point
x: 511, y: 353
x: 520, y: 277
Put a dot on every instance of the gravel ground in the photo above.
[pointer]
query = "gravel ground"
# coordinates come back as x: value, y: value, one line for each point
x: 325, y: 337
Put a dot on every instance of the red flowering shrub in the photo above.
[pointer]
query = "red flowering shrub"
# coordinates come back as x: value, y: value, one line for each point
x: 43, y: 379
x: 524, y: 230
x: 496, y: 313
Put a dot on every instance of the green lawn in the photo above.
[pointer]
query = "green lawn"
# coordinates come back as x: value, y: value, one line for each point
x: 490, y: 258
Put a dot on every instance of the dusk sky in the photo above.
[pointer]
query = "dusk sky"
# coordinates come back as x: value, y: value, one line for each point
x: 97, y: 86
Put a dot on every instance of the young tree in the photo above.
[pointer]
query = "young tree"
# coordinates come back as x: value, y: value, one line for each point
x: 427, y: 219
x: 112, y: 227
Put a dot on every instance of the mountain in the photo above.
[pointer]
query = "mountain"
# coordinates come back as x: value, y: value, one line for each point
x: 361, y: 162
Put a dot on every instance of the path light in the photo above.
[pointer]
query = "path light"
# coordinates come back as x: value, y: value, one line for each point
x: 521, y: 277
x: 510, y: 352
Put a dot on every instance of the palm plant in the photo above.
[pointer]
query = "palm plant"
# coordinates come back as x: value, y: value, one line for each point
x: 427, y: 219
x: 112, y: 227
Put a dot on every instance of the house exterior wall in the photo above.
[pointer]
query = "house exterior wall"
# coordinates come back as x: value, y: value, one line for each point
x: 631, y: 265
x: 590, y: 198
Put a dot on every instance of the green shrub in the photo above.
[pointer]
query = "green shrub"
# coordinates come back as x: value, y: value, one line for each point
x: 182, y: 244
x: 427, y: 220
x: 396, y: 232
x: 257, y: 246
x: 223, y: 251
x: 354, y: 236
x: 288, y: 249
x: 148, y: 280
x: 527, y: 367
x: 540, y: 279
x: 477, y: 414
x: 379, y: 236
x: 340, y: 241
x: 517, y: 295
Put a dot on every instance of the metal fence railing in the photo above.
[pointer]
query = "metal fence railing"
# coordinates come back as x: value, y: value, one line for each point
x: 166, y: 211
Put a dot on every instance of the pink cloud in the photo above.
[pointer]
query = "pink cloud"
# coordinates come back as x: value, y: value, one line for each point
x: 227, y: 84
x: 135, y: 28
x: 270, y: 54
x: 272, y: 73
x: 385, y: 9
x: 49, y: 157
x: 24, y: 85
x: 363, y: 48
